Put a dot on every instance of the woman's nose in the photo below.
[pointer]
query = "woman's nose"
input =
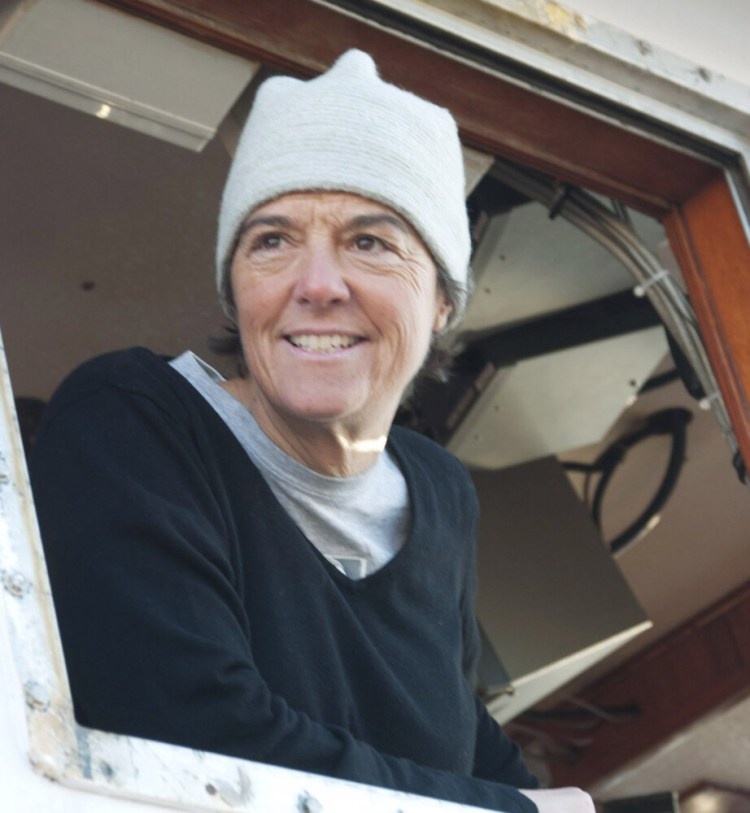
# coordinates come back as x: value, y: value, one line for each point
x: 321, y: 279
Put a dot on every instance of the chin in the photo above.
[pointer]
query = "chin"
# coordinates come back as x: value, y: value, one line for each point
x: 320, y: 410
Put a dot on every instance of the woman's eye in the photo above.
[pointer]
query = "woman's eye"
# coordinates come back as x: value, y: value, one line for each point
x: 266, y: 242
x: 366, y: 242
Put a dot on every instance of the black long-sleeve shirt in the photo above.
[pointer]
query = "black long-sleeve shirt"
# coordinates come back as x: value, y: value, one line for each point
x: 193, y: 610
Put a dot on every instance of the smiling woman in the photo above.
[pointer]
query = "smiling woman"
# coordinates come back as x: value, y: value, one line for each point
x: 337, y: 301
x: 264, y: 567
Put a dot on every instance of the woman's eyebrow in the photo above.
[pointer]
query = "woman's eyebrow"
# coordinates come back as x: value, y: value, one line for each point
x: 276, y: 221
x: 367, y: 221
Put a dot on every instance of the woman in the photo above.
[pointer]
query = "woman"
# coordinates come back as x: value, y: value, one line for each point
x: 262, y: 567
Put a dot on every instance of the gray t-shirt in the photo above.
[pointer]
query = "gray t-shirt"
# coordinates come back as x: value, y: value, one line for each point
x: 358, y: 523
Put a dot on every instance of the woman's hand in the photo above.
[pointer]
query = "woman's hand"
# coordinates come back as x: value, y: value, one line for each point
x: 561, y: 800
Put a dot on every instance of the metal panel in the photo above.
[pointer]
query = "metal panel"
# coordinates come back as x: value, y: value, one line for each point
x: 118, y: 67
x: 555, y: 402
x: 528, y: 265
x: 551, y: 600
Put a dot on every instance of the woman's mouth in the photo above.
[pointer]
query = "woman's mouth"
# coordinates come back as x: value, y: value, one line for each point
x: 323, y: 343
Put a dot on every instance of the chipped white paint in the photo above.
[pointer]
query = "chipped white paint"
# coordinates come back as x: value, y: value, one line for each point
x: 96, y: 772
x: 549, y: 14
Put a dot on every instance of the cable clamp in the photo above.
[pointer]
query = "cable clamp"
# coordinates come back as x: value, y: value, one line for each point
x: 559, y: 198
x: 707, y: 400
x: 640, y: 290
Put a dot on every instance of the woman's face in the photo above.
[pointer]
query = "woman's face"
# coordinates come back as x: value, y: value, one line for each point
x: 337, y: 301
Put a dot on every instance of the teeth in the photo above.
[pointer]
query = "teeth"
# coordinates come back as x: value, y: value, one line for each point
x: 323, y: 344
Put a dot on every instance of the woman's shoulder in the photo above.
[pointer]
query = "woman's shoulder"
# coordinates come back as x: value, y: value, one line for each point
x: 136, y: 369
x: 401, y: 437
x: 120, y: 367
x: 116, y: 383
x: 423, y: 455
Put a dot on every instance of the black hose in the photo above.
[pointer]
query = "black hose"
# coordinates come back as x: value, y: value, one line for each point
x: 666, y: 422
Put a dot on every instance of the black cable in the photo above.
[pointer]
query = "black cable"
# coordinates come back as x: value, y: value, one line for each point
x: 584, y: 715
x: 572, y: 465
x: 587, y: 469
x: 666, y: 422
x: 739, y: 466
x: 610, y: 459
x: 660, y: 381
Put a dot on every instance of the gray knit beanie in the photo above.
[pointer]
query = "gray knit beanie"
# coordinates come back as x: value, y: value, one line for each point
x: 347, y: 130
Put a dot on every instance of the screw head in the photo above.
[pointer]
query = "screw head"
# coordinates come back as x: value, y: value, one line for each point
x: 309, y: 804
x: 16, y: 583
x: 37, y: 696
x: 107, y: 770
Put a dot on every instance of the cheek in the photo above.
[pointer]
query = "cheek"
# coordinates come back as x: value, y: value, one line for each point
x: 412, y: 334
x: 254, y: 302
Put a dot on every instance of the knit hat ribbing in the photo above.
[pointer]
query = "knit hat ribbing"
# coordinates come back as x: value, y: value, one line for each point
x: 348, y: 131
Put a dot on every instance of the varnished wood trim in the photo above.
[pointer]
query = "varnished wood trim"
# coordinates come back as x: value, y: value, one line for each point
x: 713, y: 251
